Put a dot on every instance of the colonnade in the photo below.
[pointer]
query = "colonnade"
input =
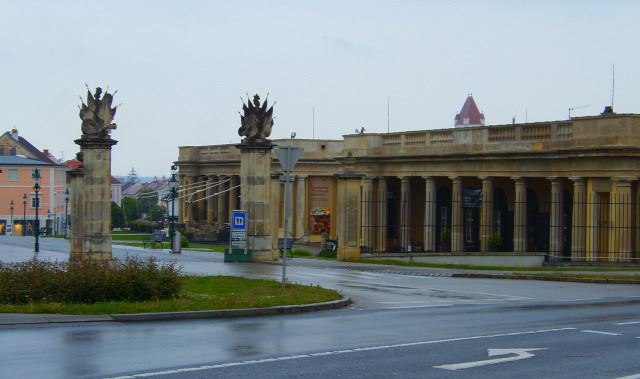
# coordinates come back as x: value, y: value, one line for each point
x: 603, y: 222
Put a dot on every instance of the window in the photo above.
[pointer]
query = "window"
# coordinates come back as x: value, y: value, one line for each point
x: 33, y: 202
x: 497, y: 222
x: 443, y: 219
x: 13, y: 175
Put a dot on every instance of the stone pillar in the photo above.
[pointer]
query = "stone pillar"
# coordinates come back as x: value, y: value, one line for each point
x: 556, y: 222
x: 520, y: 219
x: 222, y: 201
x: 382, y: 218
x: 457, y: 236
x: 233, y: 196
x: 302, y: 215
x: 405, y: 212
x: 348, y: 215
x: 211, y: 200
x: 255, y: 182
x: 275, y: 212
x: 201, y: 205
x: 486, y: 227
x: 430, y: 214
x: 579, y: 219
x: 76, y: 214
x: 621, y: 221
x: 184, y: 183
x: 367, y: 220
x: 93, y: 222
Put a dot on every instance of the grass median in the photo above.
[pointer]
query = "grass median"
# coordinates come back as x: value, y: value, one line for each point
x: 138, y: 286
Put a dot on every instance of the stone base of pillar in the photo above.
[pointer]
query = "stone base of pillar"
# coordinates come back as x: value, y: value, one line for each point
x: 262, y: 249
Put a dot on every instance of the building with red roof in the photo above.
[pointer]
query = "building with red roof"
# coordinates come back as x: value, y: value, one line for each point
x: 469, y: 115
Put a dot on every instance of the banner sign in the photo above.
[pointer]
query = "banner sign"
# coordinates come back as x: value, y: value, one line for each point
x: 471, y: 198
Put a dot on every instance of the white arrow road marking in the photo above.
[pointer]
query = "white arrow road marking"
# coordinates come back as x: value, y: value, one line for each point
x: 628, y: 323
x: 520, y: 354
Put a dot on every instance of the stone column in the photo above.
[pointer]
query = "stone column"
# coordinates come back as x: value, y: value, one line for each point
x: 486, y: 227
x: 201, y: 205
x: 579, y: 219
x: 405, y: 212
x: 93, y: 223
x: 556, y: 227
x: 255, y: 182
x: 430, y: 215
x: 211, y: 200
x: 382, y: 218
x: 457, y: 236
x: 367, y: 220
x: 233, y: 195
x: 76, y: 214
x: 621, y: 221
x: 520, y: 219
x: 275, y: 212
x: 348, y: 215
x: 302, y: 215
x: 184, y: 211
x: 222, y: 201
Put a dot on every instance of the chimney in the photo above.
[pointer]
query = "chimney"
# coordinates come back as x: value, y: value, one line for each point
x: 14, y: 134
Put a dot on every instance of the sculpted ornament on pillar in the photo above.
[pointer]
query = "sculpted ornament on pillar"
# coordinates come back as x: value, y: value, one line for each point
x: 257, y: 121
x: 97, y: 115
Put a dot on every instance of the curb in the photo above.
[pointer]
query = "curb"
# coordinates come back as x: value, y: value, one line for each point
x: 547, y: 278
x: 227, y: 313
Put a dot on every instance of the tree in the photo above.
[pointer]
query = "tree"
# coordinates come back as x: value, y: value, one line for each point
x: 132, y: 208
x: 117, y: 216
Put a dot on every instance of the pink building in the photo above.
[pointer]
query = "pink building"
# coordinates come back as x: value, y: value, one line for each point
x: 18, y: 161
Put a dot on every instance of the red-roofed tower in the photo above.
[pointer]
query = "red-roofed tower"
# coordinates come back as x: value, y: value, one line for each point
x: 469, y: 115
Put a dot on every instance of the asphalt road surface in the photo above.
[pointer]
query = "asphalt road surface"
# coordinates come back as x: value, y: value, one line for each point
x: 403, y: 323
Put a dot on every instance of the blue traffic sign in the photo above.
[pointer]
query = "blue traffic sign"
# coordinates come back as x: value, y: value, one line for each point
x: 239, y: 220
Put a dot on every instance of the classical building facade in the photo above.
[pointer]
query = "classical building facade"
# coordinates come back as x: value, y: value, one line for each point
x: 566, y: 188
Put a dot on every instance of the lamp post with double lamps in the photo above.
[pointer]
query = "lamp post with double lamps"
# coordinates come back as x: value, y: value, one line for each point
x: 24, y: 215
x: 36, y: 188
x: 11, y: 221
x: 173, y: 190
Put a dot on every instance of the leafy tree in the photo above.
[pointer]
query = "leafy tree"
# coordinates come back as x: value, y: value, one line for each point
x: 132, y: 208
x: 117, y: 216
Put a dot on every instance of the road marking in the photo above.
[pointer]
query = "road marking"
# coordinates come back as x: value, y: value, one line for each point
x: 585, y: 299
x: 334, y: 352
x: 628, y: 323
x: 636, y: 376
x: 519, y: 354
x: 599, y: 332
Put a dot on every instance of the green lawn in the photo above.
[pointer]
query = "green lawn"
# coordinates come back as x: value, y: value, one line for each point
x: 199, y: 293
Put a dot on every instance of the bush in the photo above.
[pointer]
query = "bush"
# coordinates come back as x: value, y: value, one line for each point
x: 445, y: 236
x: 302, y: 253
x: 88, y: 282
x: 328, y: 254
x: 494, y: 241
x: 184, y: 242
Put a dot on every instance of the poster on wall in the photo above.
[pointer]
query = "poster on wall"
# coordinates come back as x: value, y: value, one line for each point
x: 320, y: 204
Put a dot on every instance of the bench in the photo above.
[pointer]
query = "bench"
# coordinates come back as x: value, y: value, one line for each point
x: 290, y: 242
x: 156, y: 237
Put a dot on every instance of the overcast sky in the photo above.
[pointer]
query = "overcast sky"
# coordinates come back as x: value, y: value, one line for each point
x: 180, y: 67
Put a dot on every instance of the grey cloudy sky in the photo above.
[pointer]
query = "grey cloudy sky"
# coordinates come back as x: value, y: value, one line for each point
x: 181, y: 66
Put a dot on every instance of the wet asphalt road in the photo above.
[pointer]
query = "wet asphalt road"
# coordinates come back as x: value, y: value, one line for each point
x: 403, y: 323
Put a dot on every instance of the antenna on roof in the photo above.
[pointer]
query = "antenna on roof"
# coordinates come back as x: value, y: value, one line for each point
x: 613, y: 83
x: 582, y: 106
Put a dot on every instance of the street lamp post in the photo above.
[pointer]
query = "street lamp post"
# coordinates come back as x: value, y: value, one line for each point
x: 11, y: 222
x: 173, y: 189
x: 48, y: 225
x: 24, y: 220
x: 66, y: 218
x: 36, y: 187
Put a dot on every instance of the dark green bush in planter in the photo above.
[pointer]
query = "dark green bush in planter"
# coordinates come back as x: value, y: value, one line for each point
x: 445, y: 240
x: 494, y: 242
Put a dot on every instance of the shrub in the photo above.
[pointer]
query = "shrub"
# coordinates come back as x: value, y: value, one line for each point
x: 184, y: 242
x: 302, y: 253
x: 328, y: 254
x: 494, y: 241
x: 88, y: 282
x: 445, y: 236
